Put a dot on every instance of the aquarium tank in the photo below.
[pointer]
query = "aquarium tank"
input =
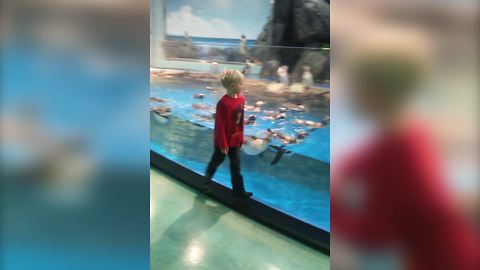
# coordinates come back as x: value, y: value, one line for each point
x: 285, y: 160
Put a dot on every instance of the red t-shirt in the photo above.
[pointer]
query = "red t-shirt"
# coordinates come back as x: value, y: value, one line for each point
x: 391, y: 193
x: 229, y: 122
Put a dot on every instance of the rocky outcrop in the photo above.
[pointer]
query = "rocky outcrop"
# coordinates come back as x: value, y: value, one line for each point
x: 312, y: 21
x: 297, y: 23
x: 175, y: 49
x: 269, y: 68
x: 188, y: 50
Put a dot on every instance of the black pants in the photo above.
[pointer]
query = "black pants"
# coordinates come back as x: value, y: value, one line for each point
x: 218, y: 157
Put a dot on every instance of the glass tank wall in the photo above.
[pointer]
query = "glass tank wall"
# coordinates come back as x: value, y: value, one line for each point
x: 287, y: 94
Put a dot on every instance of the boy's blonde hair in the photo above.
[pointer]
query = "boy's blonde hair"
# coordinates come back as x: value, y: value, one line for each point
x: 390, y: 63
x: 230, y: 76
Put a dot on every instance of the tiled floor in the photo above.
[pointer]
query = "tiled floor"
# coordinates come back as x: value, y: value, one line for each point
x: 189, y: 231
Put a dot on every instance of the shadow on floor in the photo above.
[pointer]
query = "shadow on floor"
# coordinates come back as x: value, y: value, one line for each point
x: 179, y: 243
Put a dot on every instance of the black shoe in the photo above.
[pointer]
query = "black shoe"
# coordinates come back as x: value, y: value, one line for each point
x: 244, y: 194
x: 207, y: 187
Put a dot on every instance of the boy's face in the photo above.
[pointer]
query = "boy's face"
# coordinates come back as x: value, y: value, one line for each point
x: 237, y: 87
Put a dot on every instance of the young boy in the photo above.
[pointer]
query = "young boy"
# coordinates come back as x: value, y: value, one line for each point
x: 228, y: 137
x: 390, y: 197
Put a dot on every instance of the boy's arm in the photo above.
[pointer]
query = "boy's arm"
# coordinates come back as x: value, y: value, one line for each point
x: 220, y: 134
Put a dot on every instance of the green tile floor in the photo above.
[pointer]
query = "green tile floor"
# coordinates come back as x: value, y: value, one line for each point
x: 190, y: 231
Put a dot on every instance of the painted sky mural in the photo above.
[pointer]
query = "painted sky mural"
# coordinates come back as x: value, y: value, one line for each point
x: 217, y: 18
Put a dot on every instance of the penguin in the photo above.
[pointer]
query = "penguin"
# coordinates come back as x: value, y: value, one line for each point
x: 280, y: 152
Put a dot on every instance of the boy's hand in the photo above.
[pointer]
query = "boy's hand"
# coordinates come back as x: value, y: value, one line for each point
x: 225, y: 150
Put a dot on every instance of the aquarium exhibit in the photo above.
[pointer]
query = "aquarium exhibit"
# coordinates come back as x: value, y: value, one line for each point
x: 282, y: 50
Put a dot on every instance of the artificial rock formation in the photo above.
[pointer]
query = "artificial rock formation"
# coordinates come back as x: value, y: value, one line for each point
x: 297, y: 23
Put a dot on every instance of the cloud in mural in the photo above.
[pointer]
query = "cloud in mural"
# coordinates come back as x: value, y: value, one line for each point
x: 184, y: 20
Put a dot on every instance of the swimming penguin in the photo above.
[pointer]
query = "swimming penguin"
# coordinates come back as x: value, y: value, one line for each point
x: 286, y: 139
x: 273, y: 117
x: 280, y: 152
x: 281, y: 116
x: 299, y: 108
x: 302, y: 135
x: 211, y: 89
x: 295, y: 107
x: 199, y: 106
x: 161, y: 109
x: 250, y: 108
x: 251, y: 119
x: 326, y: 120
x: 259, y: 103
x: 308, y: 123
x: 157, y: 99
x: 269, y: 112
x: 198, y: 96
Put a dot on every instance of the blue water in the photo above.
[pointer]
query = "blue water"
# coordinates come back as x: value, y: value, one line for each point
x: 298, y: 185
x: 210, y: 41
x: 69, y: 95
x: 180, y: 99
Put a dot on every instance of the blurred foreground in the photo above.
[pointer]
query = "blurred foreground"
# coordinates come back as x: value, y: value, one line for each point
x: 74, y: 134
x: 405, y: 176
